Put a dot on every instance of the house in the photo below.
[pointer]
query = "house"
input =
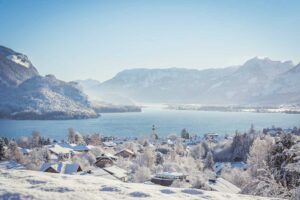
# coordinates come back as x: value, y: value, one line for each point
x: 117, y: 172
x: 167, y: 178
x: 211, y: 136
x: 61, y: 150
x: 125, y: 153
x: 222, y: 185
x: 103, y: 161
x: 170, y: 142
x: 163, y: 150
x: 24, y: 151
x: 114, y: 158
x: 109, y: 144
x: 63, y: 168
x: 79, y: 148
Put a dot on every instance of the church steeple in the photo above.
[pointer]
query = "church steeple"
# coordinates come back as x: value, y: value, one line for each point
x: 154, y: 136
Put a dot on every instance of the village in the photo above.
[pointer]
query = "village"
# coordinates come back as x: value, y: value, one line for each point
x: 209, y: 162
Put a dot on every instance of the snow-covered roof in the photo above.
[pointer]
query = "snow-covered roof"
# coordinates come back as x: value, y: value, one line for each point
x: 169, y: 175
x: 103, y: 157
x: 170, y: 142
x: 64, y: 168
x: 59, y: 149
x: 116, y: 171
x: 79, y: 147
x: 24, y: 150
x: 221, y: 185
x: 127, y: 150
x: 109, y: 144
x: 111, y: 156
x: 90, y: 147
x: 53, y: 157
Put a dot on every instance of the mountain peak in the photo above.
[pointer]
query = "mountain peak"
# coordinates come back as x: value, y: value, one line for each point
x: 266, y: 60
x: 4, y: 51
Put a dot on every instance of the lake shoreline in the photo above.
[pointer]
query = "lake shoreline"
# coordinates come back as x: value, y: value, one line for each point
x: 253, y: 109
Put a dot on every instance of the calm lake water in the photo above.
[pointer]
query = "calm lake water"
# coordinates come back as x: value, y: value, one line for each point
x: 140, y: 124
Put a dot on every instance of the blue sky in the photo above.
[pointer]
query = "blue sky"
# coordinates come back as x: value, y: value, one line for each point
x: 77, y: 39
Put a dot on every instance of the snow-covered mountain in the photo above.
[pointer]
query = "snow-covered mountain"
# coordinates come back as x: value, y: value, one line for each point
x: 250, y: 83
x: 284, y: 88
x: 14, y: 67
x: 27, y: 95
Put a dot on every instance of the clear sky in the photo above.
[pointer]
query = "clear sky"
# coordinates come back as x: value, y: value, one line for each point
x: 79, y: 39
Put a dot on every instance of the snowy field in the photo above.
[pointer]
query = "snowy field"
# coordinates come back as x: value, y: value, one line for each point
x: 25, y: 184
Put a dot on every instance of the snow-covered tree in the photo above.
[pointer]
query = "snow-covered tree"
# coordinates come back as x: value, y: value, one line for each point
x: 146, y: 158
x: 185, y: 134
x: 209, y: 161
x: 37, y: 157
x: 2, y: 149
x: 90, y: 157
x: 179, y: 149
x: 259, y: 153
x: 95, y: 139
x: 23, y: 142
x: 71, y: 135
x: 241, y: 146
x: 142, y: 174
x: 35, y: 139
x: 13, y: 152
x: 159, y: 159
x: 198, y: 151
x: 81, y: 161
x: 238, y: 177
x: 79, y: 139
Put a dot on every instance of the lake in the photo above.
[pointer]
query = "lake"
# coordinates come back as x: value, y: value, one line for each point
x: 140, y: 124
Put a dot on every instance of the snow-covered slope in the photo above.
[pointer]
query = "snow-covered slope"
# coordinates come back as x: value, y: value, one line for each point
x: 24, y: 184
x: 27, y: 95
x: 284, y: 88
x: 162, y: 85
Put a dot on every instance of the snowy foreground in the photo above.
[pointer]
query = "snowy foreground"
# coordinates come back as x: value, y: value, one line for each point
x: 25, y: 184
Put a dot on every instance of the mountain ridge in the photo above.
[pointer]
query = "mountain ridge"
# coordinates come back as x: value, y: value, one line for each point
x: 248, y: 83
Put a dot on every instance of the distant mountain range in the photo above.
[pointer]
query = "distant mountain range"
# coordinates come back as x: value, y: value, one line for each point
x: 256, y: 82
x: 27, y: 95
